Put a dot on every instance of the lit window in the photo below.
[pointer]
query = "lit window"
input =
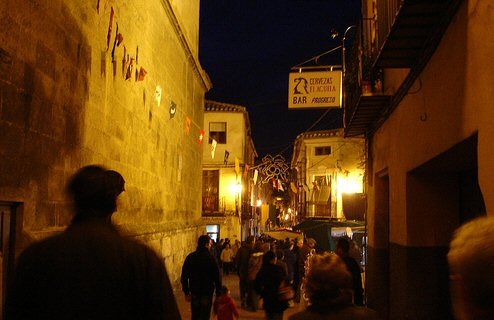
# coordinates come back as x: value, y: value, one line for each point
x: 217, y: 131
x: 322, y: 151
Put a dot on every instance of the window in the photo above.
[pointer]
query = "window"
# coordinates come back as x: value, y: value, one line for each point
x: 217, y: 131
x: 213, y: 231
x: 323, y: 151
x: 210, y: 190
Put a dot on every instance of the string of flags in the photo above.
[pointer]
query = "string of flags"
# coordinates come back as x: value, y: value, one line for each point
x: 132, y: 70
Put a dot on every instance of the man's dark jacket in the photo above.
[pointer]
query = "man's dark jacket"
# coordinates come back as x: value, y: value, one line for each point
x: 200, y: 273
x: 90, y: 272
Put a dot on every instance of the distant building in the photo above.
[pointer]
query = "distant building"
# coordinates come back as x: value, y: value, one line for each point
x: 330, y: 171
x: 418, y: 86
x: 227, y: 207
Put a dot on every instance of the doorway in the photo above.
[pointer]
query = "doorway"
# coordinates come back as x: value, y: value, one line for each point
x: 9, y: 216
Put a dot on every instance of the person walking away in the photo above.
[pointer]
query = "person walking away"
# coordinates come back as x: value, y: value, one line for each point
x: 328, y: 286
x: 224, y: 307
x: 235, y: 247
x: 200, y: 278
x: 267, y: 284
x: 280, y: 261
x: 90, y: 271
x: 255, y: 263
x: 342, y: 250
x: 470, y: 257
x: 302, y: 252
x: 226, y: 259
x: 242, y: 259
x: 291, y: 260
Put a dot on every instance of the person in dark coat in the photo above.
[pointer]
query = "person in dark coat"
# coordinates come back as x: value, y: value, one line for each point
x: 342, y: 250
x: 267, y: 283
x: 242, y: 260
x: 200, y: 278
x: 90, y: 271
x: 328, y: 286
x: 291, y: 260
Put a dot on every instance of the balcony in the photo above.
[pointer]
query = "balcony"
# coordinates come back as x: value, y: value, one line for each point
x: 364, y: 99
x: 407, y: 30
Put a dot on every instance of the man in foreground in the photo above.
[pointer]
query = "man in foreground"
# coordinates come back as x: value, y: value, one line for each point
x: 200, y: 278
x: 90, y: 271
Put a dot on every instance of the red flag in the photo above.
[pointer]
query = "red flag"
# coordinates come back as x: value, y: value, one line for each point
x: 246, y: 170
x: 187, y: 125
x: 201, y: 136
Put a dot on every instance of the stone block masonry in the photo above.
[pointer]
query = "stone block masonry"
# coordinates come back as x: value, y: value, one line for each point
x: 65, y: 103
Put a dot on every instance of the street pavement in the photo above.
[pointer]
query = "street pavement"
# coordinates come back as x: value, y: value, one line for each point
x: 231, y: 281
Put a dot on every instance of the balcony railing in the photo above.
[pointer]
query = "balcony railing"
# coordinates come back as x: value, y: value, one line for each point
x: 364, y: 98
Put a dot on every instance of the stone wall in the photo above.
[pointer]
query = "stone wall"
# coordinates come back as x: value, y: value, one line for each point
x: 64, y: 103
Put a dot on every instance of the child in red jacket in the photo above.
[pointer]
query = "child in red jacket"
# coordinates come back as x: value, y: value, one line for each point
x: 224, y: 307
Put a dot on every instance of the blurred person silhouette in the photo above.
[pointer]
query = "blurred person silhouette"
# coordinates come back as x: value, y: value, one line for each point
x: 90, y: 271
x: 328, y: 287
x: 342, y: 250
x: 470, y: 258
x: 242, y: 259
x: 200, y: 278
x: 267, y: 284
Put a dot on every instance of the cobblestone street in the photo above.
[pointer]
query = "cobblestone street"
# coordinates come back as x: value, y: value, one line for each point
x: 231, y: 281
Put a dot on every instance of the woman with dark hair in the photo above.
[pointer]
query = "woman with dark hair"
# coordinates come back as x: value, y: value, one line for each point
x: 268, y: 282
x: 328, y: 287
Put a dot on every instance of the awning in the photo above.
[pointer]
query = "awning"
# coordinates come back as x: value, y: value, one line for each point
x: 320, y: 230
x: 283, y: 234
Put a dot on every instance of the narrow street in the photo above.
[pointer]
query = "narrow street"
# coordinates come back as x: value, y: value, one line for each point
x: 231, y: 281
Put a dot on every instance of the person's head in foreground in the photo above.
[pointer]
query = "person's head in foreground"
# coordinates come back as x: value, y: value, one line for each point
x: 204, y: 241
x: 471, y: 263
x: 94, y: 191
x: 328, y: 283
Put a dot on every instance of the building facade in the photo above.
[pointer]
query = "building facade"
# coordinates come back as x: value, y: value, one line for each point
x: 227, y: 189
x: 90, y: 82
x: 420, y: 93
x: 329, y: 168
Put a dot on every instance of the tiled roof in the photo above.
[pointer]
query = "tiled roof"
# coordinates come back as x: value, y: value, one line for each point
x: 321, y: 134
x: 221, y: 106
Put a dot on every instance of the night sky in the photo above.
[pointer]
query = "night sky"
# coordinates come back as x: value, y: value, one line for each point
x: 248, y: 47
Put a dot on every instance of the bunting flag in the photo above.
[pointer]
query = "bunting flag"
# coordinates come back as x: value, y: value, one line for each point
x: 280, y: 186
x: 213, y: 148
x: 246, y: 171
x: 187, y: 125
x: 225, y: 159
x: 237, y: 166
x: 201, y: 136
x: 157, y: 95
x: 275, y: 184
x: 293, y: 187
x: 256, y: 173
x: 173, y: 109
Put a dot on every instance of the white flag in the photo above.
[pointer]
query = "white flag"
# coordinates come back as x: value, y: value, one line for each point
x: 213, y: 148
x: 255, y: 176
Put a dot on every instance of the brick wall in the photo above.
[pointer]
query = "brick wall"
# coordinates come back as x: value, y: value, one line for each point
x: 64, y: 104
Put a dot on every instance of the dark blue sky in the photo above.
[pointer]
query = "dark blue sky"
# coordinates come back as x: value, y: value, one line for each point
x: 248, y: 47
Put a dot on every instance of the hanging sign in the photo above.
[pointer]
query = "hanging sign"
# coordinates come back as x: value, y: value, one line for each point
x: 314, y: 89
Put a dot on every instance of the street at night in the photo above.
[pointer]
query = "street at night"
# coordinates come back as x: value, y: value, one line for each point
x: 246, y: 159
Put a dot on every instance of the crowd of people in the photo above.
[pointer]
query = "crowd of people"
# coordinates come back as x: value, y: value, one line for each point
x: 90, y: 271
x: 270, y: 271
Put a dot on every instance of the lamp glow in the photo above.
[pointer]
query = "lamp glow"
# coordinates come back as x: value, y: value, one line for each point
x: 237, y: 188
x: 350, y: 185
